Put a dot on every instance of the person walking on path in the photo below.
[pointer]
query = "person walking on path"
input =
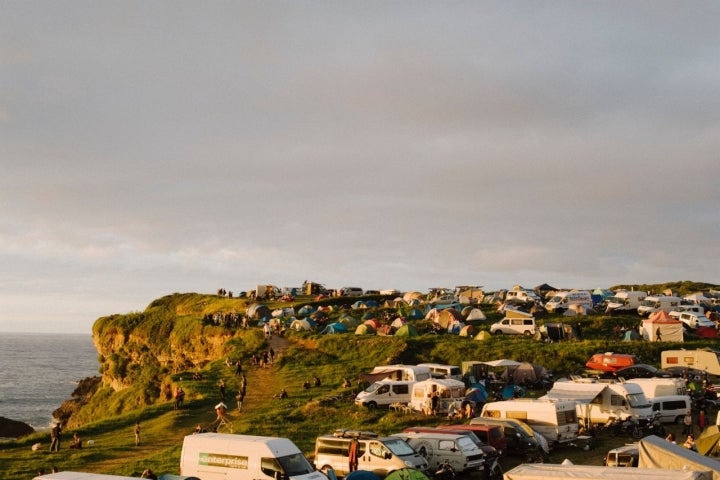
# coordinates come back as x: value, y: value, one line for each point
x: 137, y: 433
x: 55, y: 434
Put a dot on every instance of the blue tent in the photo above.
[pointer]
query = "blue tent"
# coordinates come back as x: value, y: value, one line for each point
x: 335, y: 328
x: 512, y: 391
x: 306, y: 310
x: 477, y: 393
x: 361, y: 475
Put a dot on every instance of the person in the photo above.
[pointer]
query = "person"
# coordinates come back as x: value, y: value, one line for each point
x: 76, y: 442
x: 179, y: 397
x: 221, y: 387
x: 148, y: 473
x: 137, y: 433
x: 346, y: 382
x: 239, y: 398
x: 453, y: 412
x: 353, y: 454
x: 690, y: 443
x: 198, y: 428
x: 55, y: 434
x: 306, y: 384
x: 283, y: 394
x: 238, y: 368
x: 702, y: 419
x: 221, y: 410
x: 658, y: 336
x: 434, y: 403
x: 670, y: 437
x: 316, y: 381
x: 469, y: 410
x: 688, y: 423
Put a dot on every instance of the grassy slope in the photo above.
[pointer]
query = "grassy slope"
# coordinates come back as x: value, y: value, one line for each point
x: 306, y: 414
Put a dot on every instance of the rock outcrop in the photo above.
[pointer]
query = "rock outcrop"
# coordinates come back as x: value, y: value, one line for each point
x: 14, y: 429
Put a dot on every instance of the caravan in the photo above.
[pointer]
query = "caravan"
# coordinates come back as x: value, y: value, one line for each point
x: 701, y: 359
x: 655, y: 303
x: 449, y: 392
x: 556, y: 420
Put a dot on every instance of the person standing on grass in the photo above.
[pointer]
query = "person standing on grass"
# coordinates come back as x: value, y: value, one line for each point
x: 55, y: 434
x: 137, y: 433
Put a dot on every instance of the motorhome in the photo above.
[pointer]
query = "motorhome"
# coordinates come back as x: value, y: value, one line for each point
x: 448, y: 391
x: 415, y: 373
x: 216, y: 456
x: 701, y: 359
x: 521, y: 296
x: 380, y: 455
x: 624, y: 301
x: 660, y: 387
x: 562, y: 301
x: 459, y: 450
x: 655, y: 303
x: 384, y: 393
x: 439, y: 370
x: 556, y: 420
x: 599, y: 403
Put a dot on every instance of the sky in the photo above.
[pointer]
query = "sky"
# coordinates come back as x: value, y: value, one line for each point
x: 156, y: 147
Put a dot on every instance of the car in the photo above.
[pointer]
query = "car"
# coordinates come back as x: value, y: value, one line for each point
x: 695, y: 320
x: 390, y: 291
x: 351, y: 292
x: 372, y: 292
x: 641, y: 370
x: 445, y: 301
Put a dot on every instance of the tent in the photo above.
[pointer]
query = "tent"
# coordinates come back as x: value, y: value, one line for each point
x: 706, y: 332
x: 407, y: 474
x: 373, y: 322
x: 467, y: 331
x: 305, y: 311
x: 668, y: 328
x: 448, y: 317
x: 708, y: 443
x: 364, y: 329
x: 477, y: 393
x: 398, y: 322
x: 348, y: 321
x: 524, y: 373
x: 656, y: 452
x: 257, y: 310
x: 385, y: 330
x: 483, y: 335
x: 475, y: 315
x: 336, y: 327
x: 302, y: 324
x: 415, y: 314
x: 455, y: 327
x: 406, y: 330
x: 361, y: 475
x: 631, y: 335
x: 358, y: 304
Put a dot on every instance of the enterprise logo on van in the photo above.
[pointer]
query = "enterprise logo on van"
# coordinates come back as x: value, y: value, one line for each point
x: 227, y: 461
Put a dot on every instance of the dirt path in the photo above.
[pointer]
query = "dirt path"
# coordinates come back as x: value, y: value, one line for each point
x: 262, y: 382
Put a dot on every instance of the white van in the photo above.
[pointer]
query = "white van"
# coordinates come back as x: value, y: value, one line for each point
x: 624, y: 301
x: 695, y: 320
x: 414, y: 373
x: 561, y: 301
x: 655, y: 303
x: 521, y: 296
x: 660, y: 387
x: 672, y: 408
x: 384, y: 393
x: 449, y: 391
x: 556, y: 420
x: 459, y: 450
x: 439, y: 370
x: 380, y: 455
x: 216, y: 456
x: 516, y: 326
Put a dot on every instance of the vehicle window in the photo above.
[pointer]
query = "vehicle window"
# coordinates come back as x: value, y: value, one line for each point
x: 528, y: 322
x: 383, y: 389
x: 377, y: 449
x: 519, y: 415
x: 401, y: 389
x: 399, y: 447
x: 446, y: 445
x: 617, y: 400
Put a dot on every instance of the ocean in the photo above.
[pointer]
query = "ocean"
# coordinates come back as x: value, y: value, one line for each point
x: 40, y: 371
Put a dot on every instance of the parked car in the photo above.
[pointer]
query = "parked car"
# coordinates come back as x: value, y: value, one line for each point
x: 640, y: 370
x: 695, y: 320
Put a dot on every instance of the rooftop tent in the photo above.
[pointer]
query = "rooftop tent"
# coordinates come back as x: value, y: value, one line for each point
x: 670, y: 329
x: 483, y: 335
x: 406, y: 330
x: 475, y: 314
x: 516, y: 313
x: 335, y: 328
x: 257, y: 310
x: 467, y: 331
x: 415, y: 314
x: 364, y: 329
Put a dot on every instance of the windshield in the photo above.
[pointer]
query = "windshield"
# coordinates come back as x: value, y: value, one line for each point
x: 295, y: 464
x: 637, y: 400
x: 399, y: 447
x: 373, y: 387
x: 466, y: 444
x: 556, y: 299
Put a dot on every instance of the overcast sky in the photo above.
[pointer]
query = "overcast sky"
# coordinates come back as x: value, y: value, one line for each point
x: 175, y: 146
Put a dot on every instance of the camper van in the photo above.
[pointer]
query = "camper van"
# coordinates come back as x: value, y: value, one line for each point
x: 521, y: 296
x: 449, y: 391
x: 459, y: 450
x: 624, y: 301
x: 671, y: 408
x: 380, y: 455
x: 216, y: 456
x: 384, y: 393
x: 601, y: 402
x: 660, y: 387
x: 655, y: 303
x: 439, y: 370
x: 415, y: 373
x: 556, y: 420
x: 561, y: 301
x: 701, y: 359
x: 517, y: 326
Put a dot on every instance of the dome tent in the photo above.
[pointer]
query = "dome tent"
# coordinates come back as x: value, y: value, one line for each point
x: 406, y: 330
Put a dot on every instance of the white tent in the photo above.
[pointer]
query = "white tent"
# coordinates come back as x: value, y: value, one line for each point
x: 660, y: 326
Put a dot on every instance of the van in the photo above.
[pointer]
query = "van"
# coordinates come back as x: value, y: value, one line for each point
x: 660, y: 387
x: 492, y: 435
x: 519, y: 436
x: 517, y: 326
x: 561, y: 301
x: 556, y: 420
x: 380, y: 455
x: 625, y: 456
x: 488, y: 451
x: 624, y: 301
x: 458, y: 450
x: 351, y: 292
x: 216, y: 456
x: 416, y: 373
x: 686, y: 308
x: 439, y: 370
x: 449, y: 392
x: 655, y: 303
x: 384, y: 393
x: 521, y: 296
x: 672, y: 408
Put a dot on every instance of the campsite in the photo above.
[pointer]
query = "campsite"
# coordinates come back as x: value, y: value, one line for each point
x: 496, y: 366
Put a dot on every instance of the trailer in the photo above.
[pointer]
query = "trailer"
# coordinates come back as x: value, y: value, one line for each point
x: 702, y: 359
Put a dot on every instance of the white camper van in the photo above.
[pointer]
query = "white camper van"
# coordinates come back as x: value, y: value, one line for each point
x: 624, y: 301
x: 655, y: 303
x: 660, y: 387
x: 439, y: 370
x: 449, y: 392
x: 218, y: 456
x: 700, y: 359
x: 556, y: 420
x: 384, y: 393
x: 521, y: 296
x: 561, y: 301
x: 415, y: 373
x: 380, y: 455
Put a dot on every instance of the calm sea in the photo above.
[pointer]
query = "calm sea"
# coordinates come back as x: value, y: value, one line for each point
x: 40, y: 371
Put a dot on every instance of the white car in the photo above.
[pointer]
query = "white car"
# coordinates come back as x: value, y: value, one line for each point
x: 695, y: 320
x: 687, y: 308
